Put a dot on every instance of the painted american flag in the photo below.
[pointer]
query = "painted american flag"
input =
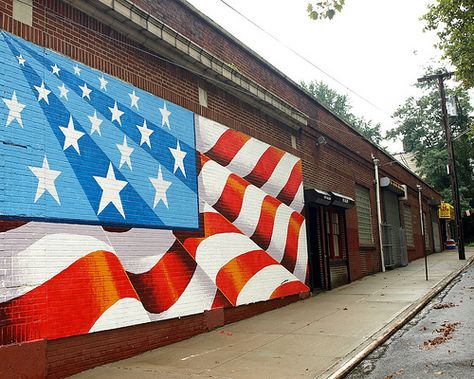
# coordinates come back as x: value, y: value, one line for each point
x: 119, y: 208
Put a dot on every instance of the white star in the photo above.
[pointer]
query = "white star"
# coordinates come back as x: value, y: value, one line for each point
x: 103, y: 83
x: 46, y: 178
x: 21, y: 60
x: 178, y: 156
x: 85, y: 91
x: 116, y: 114
x: 14, y: 110
x: 134, y: 98
x: 125, y: 152
x: 161, y: 186
x: 111, y: 188
x: 55, y: 69
x: 43, y: 92
x: 146, y: 133
x: 165, y: 114
x: 64, y: 91
x: 95, y: 123
x: 71, y: 136
x: 77, y: 70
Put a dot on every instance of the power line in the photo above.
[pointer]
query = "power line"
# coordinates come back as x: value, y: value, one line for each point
x: 301, y: 56
x: 211, y: 79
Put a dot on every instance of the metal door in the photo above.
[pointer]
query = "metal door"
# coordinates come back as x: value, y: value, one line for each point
x: 392, y: 218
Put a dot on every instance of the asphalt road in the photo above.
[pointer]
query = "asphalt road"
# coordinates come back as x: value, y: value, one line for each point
x: 437, y: 343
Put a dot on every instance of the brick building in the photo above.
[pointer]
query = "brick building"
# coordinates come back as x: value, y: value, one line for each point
x: 161, y: 179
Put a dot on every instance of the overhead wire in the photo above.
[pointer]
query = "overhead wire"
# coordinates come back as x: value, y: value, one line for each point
x: 302, y: 56
x: 203, y: 76
x: 195, y: 72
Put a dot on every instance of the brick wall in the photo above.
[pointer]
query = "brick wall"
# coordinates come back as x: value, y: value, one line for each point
x: 338, y: 166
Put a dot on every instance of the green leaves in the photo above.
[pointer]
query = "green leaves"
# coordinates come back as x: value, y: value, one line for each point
x: 324, y: 9
x: 341, y: 106
x: 453, y: 21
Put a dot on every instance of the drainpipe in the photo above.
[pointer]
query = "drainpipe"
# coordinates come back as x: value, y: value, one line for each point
x: 422, y: 230
x: 379, y: 212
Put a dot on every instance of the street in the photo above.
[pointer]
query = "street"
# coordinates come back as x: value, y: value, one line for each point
x: 437, y: 343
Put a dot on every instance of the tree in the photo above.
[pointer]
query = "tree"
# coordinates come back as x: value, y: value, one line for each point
x: 453, y: 20
x: 341, y: 106
x: 324, y: 9
x: 420, y: 127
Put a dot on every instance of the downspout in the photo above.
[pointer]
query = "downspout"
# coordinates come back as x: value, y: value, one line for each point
x: 379, y: 212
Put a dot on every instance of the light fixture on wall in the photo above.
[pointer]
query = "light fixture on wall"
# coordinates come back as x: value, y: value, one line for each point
x: 321, y: 141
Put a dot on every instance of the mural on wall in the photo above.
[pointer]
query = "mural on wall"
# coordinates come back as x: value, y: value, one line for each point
x: 119, y: 208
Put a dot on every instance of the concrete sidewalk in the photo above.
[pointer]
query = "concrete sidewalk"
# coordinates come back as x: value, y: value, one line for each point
x: 317, y: 337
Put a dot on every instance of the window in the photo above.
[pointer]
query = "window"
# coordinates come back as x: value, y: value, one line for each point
x: 202, y: 97
x: 334, y: 236
x: 408, y: 221
x: 335, y: 232
x: 293, y: 142
x: 364, y: 216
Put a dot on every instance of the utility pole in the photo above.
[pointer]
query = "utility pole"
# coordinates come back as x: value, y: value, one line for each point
x: 451, y: 163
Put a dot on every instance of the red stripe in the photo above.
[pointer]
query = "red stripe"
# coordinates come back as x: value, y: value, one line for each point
x: 235, y: 274
x: 220, y: 301
x: 265, y: 166
x: 69, y: 303
x: 292, y: 237
x: 232, y: 197
x: 161, y: 287
x: 264, y: 230
x: 227, y: 146
x: 289, y: 191
x: 288, y: 289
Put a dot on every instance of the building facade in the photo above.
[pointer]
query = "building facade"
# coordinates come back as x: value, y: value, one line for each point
x: 159, y: 179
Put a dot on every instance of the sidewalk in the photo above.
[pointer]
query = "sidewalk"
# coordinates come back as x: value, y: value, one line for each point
x: 308, y: 339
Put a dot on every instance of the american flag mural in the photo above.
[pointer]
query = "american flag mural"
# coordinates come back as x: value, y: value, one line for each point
x: 119, y: 208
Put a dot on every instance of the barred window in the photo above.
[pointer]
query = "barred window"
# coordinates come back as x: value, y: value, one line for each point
x: 364, y: 216
x: 408, y: 221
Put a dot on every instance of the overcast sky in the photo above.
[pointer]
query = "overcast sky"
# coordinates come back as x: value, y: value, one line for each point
x: 377, y: 48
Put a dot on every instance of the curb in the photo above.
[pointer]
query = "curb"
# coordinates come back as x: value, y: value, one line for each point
x: 340, y: 371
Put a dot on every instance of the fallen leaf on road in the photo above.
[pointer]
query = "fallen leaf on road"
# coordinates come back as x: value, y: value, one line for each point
x: 443, y: 306
x: 446, y: 330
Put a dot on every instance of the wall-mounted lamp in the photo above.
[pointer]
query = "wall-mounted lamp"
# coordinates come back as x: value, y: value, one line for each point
x: 321, y: 141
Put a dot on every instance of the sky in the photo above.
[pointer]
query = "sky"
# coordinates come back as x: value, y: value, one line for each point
x: 376, y: 48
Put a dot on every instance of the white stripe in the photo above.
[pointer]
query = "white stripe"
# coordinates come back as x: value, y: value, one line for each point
x: 212, y: 181
x: 247, y: 157
x: 302, y: 258
x: 280, y: 175
x: 277, y: 244
x: 196, y: 298
x: 46, y: 258
x: 261, y: 286
x: 298, y: 202
x: 249, y: 215
x: 124, y: 312
x: 207, y: 133
x: 217, y: 250
x: 139, y: 250
x: 135, y: 257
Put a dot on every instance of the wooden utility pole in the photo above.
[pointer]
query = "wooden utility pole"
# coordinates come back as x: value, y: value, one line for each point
x: 451, y: 163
